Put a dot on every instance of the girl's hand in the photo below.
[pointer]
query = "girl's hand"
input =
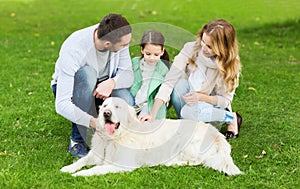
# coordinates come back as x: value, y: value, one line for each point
x: 145, y: 117
x: 191, y: 98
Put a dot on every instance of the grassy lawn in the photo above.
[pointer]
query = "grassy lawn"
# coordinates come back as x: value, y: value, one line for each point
x: 34, y: 139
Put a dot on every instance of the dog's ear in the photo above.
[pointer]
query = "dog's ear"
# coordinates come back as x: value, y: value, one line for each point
x: 131, y: 117
x: 132, y: 112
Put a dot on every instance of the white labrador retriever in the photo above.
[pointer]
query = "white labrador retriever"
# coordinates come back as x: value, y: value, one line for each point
x: 123, y: 143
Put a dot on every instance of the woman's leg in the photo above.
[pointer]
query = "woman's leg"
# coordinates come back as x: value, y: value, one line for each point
x: 207, y: 113
x: 180, y: 89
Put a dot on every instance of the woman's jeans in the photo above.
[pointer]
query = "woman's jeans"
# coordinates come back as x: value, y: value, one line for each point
x: 200, y: 111
x: 180, y: 89
x: 85, y: 81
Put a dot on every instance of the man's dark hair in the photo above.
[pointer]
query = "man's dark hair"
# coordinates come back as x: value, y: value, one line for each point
x: 112, y: 27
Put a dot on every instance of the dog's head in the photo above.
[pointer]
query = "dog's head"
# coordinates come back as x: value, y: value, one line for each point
x: 115, y: 115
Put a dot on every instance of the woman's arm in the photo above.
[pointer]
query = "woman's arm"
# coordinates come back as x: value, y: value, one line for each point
x: 195, y: 97
x: 177, y: 71
x: 218, y: 100
x: 208, y: 99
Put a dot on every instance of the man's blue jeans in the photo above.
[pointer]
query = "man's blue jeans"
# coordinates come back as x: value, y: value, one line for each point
x: 85, y: 81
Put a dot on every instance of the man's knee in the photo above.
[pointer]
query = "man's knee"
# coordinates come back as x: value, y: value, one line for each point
x: 85, y: 77
x: 124, y: 94
x: 84, y: 84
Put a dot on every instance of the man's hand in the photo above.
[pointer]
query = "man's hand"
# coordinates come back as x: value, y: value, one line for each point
x: 104, y: 89
x: 94, y: 123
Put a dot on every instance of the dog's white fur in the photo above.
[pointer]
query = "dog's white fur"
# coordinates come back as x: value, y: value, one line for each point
x: 132, y: 144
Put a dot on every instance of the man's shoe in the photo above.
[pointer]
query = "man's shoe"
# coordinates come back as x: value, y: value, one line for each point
x: 78, y: 149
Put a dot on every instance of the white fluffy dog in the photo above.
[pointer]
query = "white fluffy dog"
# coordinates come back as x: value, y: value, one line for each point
x: 123, y: 143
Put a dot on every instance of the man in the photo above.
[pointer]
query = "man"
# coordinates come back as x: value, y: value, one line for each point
x: 93, y: 64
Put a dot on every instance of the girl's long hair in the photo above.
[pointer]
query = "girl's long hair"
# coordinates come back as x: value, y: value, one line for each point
x: 225, y: 46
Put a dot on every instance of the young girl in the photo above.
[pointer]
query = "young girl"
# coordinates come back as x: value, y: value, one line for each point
x: 203, y: 78
x: 149, y: 70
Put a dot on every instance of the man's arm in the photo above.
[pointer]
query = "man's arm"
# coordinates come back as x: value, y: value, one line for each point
x: 68, y: 66
x: 122, y: 73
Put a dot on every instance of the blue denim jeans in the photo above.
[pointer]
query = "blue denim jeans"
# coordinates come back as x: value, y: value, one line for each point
x: 206, y: 112
x: 85, y: 81
x: 201, y: 111
x: 181, y: 88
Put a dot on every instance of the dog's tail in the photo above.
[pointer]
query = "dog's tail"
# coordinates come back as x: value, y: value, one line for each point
x: 221, y: 159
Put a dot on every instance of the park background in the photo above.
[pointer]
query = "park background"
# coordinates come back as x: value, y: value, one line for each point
x: 34, y: 139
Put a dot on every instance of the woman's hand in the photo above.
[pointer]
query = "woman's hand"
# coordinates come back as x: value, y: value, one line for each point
x: 195, y: 97
x: 191, y: 98
x: 145, y: 117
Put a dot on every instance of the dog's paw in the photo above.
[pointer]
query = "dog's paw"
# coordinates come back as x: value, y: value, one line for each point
x: 68, y: 169
x: 82, y: 173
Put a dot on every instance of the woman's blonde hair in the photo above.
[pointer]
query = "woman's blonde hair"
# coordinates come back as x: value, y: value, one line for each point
x: 225, y: 46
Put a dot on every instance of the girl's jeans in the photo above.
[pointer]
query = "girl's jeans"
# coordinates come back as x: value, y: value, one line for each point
x: 85, y: 81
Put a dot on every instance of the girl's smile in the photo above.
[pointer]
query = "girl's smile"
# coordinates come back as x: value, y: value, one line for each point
x: 152, y: 53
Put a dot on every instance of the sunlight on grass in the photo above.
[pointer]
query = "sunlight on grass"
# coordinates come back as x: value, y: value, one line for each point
x: 17, y: 0
x: 34, y: 139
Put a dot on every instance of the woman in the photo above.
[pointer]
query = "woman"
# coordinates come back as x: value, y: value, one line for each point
x: 204, y: 77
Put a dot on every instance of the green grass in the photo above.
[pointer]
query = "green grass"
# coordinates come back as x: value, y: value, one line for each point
x: 34, y: 138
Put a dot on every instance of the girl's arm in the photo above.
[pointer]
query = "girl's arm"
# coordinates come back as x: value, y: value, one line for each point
x: 155, y: 108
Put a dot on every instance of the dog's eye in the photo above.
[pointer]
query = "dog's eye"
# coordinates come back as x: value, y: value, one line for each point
x: 117, y: 106
x: 104, y: 105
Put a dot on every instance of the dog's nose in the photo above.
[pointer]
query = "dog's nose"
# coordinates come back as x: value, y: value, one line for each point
x: 107, y: 113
